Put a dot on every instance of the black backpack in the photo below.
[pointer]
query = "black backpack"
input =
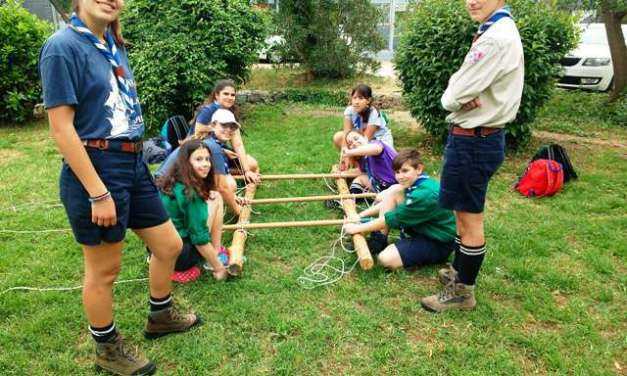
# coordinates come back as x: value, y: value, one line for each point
x: 558, y: 154
x: 175, y: 130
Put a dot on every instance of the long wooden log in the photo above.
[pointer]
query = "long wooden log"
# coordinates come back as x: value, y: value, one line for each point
x: 236, y: 250
x: 260, y: 201
x: 316, y: 223
x: 335, y: 175
x: 350, y: 209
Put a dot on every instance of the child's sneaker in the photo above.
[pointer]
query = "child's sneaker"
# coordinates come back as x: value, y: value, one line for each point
x: 452, y: 296
x: 116, y: 357
x: 186, y: 276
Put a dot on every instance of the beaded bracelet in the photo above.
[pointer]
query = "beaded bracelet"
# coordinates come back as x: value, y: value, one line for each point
x: 102, y: 197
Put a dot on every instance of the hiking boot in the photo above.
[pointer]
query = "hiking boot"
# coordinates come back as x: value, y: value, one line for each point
x: 452, y: 296
x: 447, y: 275
x: 377, y: 241
x: 166, y: 321
x: 114, y: 356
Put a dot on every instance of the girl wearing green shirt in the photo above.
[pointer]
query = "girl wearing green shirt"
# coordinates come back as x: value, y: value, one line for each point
x: 196, y: 209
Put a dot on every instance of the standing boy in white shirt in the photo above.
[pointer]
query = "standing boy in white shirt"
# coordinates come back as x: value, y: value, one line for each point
x: 482, y: 96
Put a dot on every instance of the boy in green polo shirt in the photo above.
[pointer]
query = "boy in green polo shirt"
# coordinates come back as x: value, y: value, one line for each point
x: 427, y: 230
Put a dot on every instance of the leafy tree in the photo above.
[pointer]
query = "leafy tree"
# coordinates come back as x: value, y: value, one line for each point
x: 436, y: 38
x: 21, y: 37
x: 332, y: 38
x: 179, y: 48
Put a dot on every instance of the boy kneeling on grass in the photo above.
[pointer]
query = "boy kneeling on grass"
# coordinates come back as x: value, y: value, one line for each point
x: 427, y: 230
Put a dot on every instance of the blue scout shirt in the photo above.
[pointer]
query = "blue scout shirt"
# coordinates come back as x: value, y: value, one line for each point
x: 73, y: 72
x: 204, y: 116
x: 218, y: 159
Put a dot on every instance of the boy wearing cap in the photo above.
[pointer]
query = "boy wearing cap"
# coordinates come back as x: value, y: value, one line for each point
x: 226, y: 129
x: 224, y: 159
x: 482, y: 96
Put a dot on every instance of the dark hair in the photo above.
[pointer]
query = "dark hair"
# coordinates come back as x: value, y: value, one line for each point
x: 183, y: 172
x: 407, y: 155
x: 365, y: 92
x: 114, y: 26
x: 217, y: 88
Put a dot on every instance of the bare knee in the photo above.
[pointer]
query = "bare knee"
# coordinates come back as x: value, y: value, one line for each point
x: 390, y: 258
x: 253, y: 165
x: 338, y: 139
x: 168, y: 250
x: 102, y: 275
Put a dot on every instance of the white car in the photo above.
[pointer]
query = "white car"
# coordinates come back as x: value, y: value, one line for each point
x: 589, y: 66
x: 270, y: 53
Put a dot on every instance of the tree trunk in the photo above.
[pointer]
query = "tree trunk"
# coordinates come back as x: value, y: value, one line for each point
x: 618, y: 51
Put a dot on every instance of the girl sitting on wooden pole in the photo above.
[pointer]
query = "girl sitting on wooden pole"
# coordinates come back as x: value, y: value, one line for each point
x: 196, y: 209
x: 375, y: 159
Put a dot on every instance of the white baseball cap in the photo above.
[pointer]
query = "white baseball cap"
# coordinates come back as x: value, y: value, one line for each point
x: 224, y: 116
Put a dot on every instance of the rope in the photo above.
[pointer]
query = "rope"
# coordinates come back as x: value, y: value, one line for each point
x: 44, y: 289
x: 322, y: 272
x: 4, y: 231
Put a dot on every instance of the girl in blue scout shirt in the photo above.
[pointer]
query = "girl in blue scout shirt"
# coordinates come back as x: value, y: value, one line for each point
x: 105, y: 186
x: 223, y: 97
x: 362, y: 116
x: 375, y: 160
x: 427, y: 231
x: 187, y: 192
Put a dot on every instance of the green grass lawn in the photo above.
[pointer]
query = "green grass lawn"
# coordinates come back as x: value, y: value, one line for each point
x: 551, y: 295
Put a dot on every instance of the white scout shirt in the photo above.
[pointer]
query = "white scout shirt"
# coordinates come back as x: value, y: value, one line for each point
x: 493, y: 70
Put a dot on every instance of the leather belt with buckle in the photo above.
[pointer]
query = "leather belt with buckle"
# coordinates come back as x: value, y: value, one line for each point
x: 473, y: 132
x: 113, y: 145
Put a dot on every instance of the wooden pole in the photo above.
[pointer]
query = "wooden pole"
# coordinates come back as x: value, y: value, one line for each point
x: 261, y: 201
x: 350, y: 209
x: 239, y: 237
x: 335, y: 175
x: 322, y: 222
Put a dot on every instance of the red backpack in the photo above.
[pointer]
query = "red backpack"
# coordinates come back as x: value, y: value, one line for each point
x: 543, y: 177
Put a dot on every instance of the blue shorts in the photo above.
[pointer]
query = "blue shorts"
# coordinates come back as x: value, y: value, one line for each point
x: 136, y: 197
x: 469, y: 163
x: 420, y: 250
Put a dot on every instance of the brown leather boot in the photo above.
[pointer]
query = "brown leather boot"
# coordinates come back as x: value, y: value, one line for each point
x: 166, y: 321
x: 452, y: 296
x: 446, y: 275
x: 116, y: 357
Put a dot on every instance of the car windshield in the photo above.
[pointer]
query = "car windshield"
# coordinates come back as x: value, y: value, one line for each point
x: 594, y: 36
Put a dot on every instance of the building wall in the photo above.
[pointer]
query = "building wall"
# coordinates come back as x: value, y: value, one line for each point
x: 44, y: 10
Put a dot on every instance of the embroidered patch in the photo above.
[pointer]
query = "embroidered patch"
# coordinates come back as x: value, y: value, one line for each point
x: 474, y: 56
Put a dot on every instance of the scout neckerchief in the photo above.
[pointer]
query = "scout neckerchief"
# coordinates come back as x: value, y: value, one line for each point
x: 111, y: 53
x: 422, y: 178
x: 497, y: 15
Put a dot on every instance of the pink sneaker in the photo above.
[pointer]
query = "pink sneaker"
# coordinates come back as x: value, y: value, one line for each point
x: 186, y: 276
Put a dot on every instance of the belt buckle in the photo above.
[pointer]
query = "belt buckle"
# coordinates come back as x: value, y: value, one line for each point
x: 137, y: 146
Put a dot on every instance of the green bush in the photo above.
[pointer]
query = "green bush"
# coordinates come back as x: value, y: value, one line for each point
x: 425, y: 62
x: 331, y: 38
x: 179, y: 48
x: 21, y: 37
